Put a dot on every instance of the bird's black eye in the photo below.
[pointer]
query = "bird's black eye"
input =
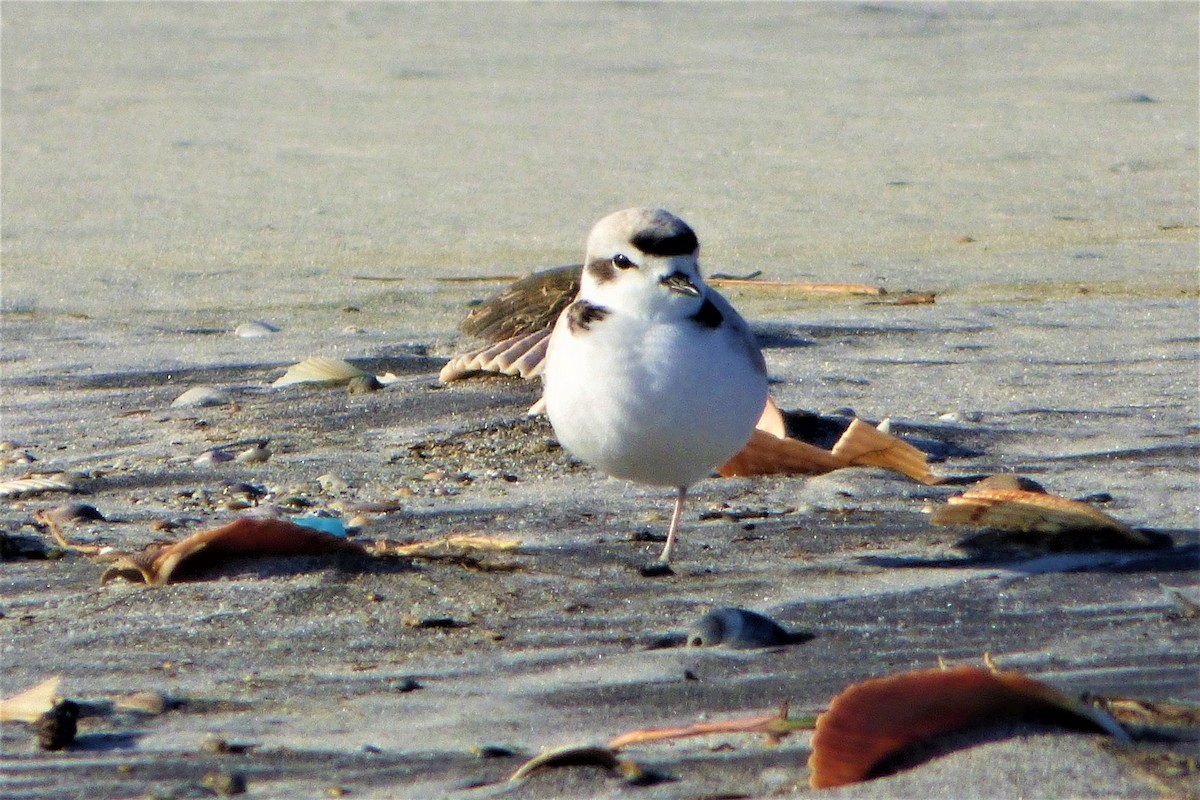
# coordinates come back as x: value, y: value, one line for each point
x: 621, y: 261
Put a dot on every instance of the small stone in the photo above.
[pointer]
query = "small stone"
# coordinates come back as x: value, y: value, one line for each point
x: 56, y: 728
x: 225, y: 784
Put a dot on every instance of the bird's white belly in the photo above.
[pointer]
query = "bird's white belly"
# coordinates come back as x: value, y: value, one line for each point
x: 662, y: 404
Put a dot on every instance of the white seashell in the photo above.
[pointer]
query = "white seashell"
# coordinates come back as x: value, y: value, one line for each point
x: 319, y: 369
x: 199, y: 396
x: 332, y: 484
x: 63, y: 482
x: 520, y: 356
x: 258, y: 454
x: 211, y: 458
x: 255, y: 329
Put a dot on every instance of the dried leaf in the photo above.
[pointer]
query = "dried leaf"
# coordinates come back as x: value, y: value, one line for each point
x: 874, y: 721
x: 30, y: 704
x: 244, y: 537
x: 1024, y: 511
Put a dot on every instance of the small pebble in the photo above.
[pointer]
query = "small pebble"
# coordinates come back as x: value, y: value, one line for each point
x: 364, y: 384
x: 332, y: 484
x: 255, y: 329
x: 225, y: 784
x: 56, y: 728
x: 258, y: 454
x: 212, y: 458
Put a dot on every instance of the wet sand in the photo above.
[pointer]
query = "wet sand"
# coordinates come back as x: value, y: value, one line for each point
x: 174, y: 171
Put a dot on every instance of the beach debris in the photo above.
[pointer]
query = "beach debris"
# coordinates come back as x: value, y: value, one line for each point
x: 212, y: 458
x: 906, y: 299
x: 319, y: 369
x: 363, y: 384
x: 32, y: 703
x: 773, y: 726
x: 331, y: 525
x: 75, y: 512
x: 255, y: 329
x: 737, y: 629
x: 522, y: 355
x: 147, y: 702
x: 39, y: 484
x: 452, y: 546
x: 56, y: 728
x: 870, y: 724
x: 245, y: 537
x: 1038, y: 520
x: 569, y: 756
x: 257, y: 453
x: 225, y: 784
x: 1189, y: 606
x: 201, y: 397
x: 1159, y: 719
x: 799, y: 287
x: 327, y: 371
x: 861, y: 444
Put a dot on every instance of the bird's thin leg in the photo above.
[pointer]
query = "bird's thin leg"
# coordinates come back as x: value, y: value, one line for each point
x: 676, y: 515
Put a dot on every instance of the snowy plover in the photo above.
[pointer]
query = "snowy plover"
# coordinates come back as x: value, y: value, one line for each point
x: 651, y: 375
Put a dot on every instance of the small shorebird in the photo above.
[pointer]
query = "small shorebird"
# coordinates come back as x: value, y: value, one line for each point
x: 651, y: 375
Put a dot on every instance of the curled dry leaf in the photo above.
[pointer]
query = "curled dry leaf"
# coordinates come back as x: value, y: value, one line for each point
x: 1023, y: 511
x: 523, y: 355
x: 32, y: 703
x: 873, y: 722
x: 243, y: 538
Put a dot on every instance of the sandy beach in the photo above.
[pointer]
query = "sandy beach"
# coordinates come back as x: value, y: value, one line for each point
x: 359, y: 176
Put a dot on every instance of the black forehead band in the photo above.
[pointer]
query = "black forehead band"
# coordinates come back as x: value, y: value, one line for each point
x: 666, y: 237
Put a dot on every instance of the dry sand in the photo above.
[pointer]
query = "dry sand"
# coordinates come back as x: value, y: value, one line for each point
x: 172, y: 171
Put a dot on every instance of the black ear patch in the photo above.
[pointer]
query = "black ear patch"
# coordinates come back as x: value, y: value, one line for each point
x: 709, y: 316
x: 581, y: 314
x: 666, y: 235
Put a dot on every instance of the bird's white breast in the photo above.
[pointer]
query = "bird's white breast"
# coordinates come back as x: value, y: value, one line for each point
x: 657, y: 402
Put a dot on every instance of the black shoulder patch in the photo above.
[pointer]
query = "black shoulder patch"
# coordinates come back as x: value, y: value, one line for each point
x: 581, y: 314
x: 709, y: 315
x: 666, y: 235
x: 601, y: 270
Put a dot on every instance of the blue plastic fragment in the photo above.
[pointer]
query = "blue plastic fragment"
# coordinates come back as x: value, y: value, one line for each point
x: 331, y: 525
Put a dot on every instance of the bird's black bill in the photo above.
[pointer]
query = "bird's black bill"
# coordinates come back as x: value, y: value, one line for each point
x: 680, y: 283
